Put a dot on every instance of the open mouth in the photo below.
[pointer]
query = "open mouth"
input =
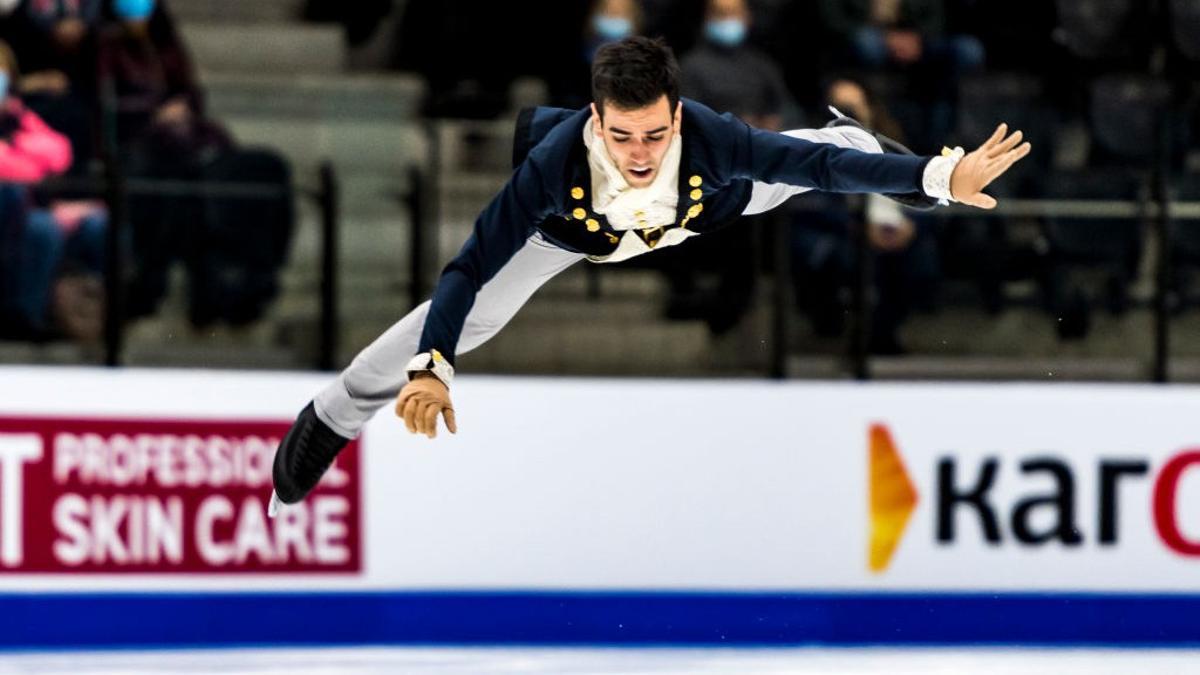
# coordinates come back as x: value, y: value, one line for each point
x: 641, y: 174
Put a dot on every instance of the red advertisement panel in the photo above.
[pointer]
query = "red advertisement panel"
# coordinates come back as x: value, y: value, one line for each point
x: 115, y: 496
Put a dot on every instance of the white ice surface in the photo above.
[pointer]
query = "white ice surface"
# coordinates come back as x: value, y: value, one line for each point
x: 418, y: 661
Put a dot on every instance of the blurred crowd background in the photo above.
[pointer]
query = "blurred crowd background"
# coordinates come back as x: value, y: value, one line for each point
x: 367, y: 135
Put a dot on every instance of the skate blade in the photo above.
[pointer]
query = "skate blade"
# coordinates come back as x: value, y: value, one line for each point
x: 274, y: 506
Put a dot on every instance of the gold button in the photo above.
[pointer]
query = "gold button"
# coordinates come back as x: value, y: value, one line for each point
x: 593, y: 225
x: 577, y: 192
x: 612, y: 238
x: 695, y: 181
x: 696, y: 195
x: 683, y: 223
x: 695, y: 210
x: 579, y: 214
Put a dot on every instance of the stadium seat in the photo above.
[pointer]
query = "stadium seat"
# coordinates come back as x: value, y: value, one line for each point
x: 1111, y: 247
x: 986, y: 100
x: 1185, y: 27
x: 1125, y: 112
x: 1103, y: 30
x: 1094, y: 240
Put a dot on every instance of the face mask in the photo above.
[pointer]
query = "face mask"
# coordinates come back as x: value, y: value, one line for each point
x: 3, y: 86
x: 134, y: 10
x: 611, y: 28
x: 726, y: 32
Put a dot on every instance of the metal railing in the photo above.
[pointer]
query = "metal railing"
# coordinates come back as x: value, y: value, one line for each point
x: 1157, y: 217
x: 115, y: 188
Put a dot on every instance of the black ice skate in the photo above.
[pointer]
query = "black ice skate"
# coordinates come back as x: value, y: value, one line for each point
x: 302, y: 458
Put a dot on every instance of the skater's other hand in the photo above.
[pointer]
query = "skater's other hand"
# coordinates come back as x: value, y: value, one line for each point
x: 421, y: 401
x: 978, y: 169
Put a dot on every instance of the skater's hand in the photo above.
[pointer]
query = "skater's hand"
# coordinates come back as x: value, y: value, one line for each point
x: 420, y: 402
x: 978, y: 169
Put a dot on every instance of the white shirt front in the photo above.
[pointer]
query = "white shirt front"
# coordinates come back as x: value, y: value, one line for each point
x: 630, y: 208
x: 627, y: 208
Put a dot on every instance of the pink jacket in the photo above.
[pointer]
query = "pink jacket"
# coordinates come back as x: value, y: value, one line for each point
x: 34, y: 151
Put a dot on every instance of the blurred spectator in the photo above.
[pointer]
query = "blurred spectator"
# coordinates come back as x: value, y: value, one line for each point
x: 55, y: 41
x: 609, y: 21
x: 156, y: 98
x: 161, y: 132
x: 606, y: 21
x: 232, y: 253
x: 1015, y: 34
x: 908, y: 36
x: 824, y: 245
x: 896, y: 32
x: 50, y: 259
x: 728, y: 75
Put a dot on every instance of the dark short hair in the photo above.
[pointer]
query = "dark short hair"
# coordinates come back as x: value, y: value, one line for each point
x: 634, y: 73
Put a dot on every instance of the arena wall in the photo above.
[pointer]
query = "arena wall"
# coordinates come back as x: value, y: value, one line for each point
x: 132, y: 512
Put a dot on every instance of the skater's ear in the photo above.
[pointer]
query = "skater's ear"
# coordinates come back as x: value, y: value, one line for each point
x: 596, y: 115
x: 678, y: 120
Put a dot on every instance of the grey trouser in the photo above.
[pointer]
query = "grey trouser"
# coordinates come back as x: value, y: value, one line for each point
x: 377, y: 374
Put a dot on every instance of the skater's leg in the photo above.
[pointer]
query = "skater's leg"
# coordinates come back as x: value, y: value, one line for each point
x: 376, y: 375
x: 766, y: 196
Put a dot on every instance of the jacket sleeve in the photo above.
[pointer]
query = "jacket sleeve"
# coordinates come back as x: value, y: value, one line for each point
x: 500, y: 231
x: 770, y: 157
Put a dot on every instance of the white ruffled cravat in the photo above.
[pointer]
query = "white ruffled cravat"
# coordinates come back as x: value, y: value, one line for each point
x: 629, y: 208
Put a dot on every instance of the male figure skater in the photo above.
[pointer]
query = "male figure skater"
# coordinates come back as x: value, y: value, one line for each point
x: 638, y: 170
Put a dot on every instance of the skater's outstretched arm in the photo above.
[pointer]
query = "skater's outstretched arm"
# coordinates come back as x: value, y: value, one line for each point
x: 775, y: 158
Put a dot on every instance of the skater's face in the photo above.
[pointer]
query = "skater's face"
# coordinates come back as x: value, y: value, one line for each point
x: 637, y: 140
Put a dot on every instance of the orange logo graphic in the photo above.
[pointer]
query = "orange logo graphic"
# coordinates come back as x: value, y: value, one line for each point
x: 893, y: 498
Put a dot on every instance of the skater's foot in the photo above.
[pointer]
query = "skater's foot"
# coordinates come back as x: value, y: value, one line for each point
x: 303, y: 457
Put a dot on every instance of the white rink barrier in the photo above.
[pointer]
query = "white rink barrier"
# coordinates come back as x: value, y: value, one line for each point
x: 132, y: 511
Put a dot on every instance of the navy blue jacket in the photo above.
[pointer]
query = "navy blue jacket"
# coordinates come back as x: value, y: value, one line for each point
x: 722, y: 157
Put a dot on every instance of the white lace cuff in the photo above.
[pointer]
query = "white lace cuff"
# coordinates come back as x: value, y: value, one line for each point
x: 936, y: 181
x: 432, y: 362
